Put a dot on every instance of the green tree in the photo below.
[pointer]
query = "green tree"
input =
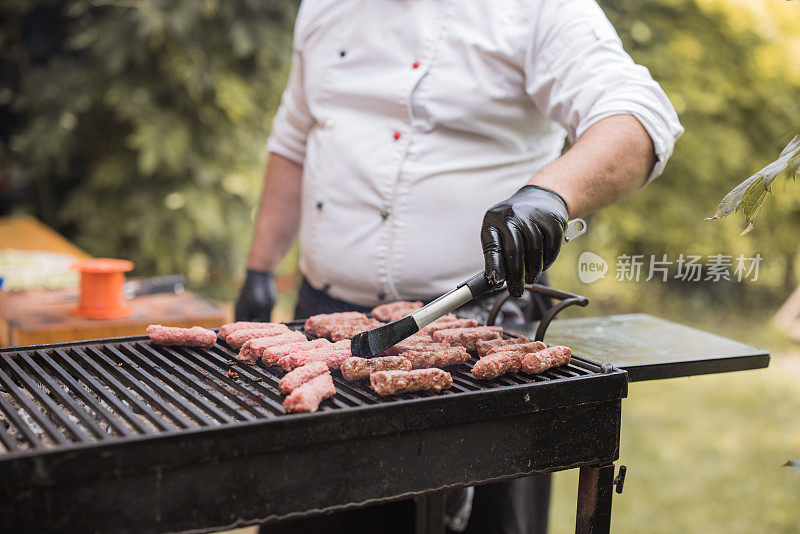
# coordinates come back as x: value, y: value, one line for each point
x: 735, y: 88
x: 143, y: 123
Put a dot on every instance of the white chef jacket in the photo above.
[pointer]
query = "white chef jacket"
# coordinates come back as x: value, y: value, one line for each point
x: 412, y: 117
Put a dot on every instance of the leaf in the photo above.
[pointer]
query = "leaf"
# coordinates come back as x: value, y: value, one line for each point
x: 748, y: 196
x: 793, y: 463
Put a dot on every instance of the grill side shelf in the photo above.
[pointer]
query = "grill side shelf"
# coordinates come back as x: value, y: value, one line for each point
x: 651, y: 348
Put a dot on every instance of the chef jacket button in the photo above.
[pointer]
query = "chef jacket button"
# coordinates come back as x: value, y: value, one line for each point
x: 384, y: 214
x: 396, y: 135
x: 327, y: 123
x: 342, y: 53
x: 381, y: 296
x: 415, y: 65
x: 320, y: 204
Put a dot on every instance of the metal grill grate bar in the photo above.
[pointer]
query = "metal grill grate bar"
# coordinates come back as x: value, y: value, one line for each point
x: 562, y: 373
x: 344, y: 396
x: 122, y: 391
x: 218, y: 380
x: 139, y: 384
x: 166, y: 394
x: 587, y: 365
x: 63, y: 398
x: 6, y: 440
x: 259, y: 398
x: 464, y: 383
x: 101, y: 392
x: 19, y: 425
x: 261, y: 378
x: 360, y: 394
x: 465, y: 376
x: 207, y: 395
x: 33, y: 411
x: 80, y: 392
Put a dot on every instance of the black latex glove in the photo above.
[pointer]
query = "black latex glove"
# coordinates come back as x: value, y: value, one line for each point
x: 256, y: 297
x: 522, y: 236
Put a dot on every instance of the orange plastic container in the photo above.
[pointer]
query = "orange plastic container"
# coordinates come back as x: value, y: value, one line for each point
x: 101, y: 288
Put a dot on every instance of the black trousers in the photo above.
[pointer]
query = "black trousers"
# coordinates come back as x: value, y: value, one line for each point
x: 518, y: 506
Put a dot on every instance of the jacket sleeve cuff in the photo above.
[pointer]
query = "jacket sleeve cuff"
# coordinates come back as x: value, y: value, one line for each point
x: 663, y: 127
x: 293, y: 151
x: 289, y: 134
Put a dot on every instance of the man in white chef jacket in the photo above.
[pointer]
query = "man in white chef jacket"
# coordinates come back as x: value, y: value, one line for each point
x: 420, y: 141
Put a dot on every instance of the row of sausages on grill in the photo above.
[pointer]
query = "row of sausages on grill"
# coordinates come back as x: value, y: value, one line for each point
x: 412, y: 365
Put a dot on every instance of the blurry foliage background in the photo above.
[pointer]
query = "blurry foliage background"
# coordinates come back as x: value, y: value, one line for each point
x: 137, y: 129
x: 140, y: 125
x: 731, y: 71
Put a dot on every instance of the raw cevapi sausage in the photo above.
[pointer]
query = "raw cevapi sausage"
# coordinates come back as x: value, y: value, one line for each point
x: 182, y: 337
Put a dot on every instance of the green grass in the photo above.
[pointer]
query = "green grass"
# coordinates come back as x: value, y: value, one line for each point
x: 705, y: 454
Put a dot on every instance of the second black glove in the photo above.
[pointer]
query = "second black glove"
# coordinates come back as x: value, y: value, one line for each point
x: 257, y: 297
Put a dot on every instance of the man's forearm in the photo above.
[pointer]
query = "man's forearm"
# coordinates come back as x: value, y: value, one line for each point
x: 610, y: 161
x: 278, y: 214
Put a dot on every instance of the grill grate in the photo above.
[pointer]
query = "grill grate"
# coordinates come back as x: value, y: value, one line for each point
x: 73, y: 394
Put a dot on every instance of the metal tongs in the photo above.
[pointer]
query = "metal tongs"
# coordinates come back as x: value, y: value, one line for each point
x: 373, y: 342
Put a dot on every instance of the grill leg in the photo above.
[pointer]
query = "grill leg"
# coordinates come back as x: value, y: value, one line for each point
x: 430, y: 513
x: 595, y: 487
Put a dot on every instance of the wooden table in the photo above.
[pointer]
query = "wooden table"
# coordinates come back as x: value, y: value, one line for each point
x: 27, y: 233
x: 42, y: 316
x: 29, y: 317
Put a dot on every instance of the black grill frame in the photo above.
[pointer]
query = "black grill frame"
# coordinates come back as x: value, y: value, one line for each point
x: 141, y: 474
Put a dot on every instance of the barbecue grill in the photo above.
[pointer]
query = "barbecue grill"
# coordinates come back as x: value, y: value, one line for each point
x: 119, y: 434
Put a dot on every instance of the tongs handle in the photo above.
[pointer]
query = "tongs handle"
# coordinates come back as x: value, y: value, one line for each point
x: 373, y: 342
x: 478, y: 284
x: 472, y: 288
